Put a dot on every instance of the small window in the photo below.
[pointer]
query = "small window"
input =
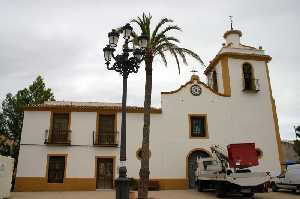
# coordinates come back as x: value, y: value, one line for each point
x: 215, y: 81
x: 250, y: 83
x: 107, y: 134
x: 198, y: 126
x: 107, y: 124
x: 60, y: 121
x: 56, y: 169
x: 60, y: 132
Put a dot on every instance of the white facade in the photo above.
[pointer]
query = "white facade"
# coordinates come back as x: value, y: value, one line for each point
x: 232, y: 116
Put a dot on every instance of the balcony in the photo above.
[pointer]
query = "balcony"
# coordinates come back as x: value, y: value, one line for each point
x: 251, y: 85
x: 106, y: 139
x: 58, y: 136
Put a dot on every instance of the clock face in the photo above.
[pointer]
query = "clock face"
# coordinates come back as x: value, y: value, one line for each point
x: 195, y: 90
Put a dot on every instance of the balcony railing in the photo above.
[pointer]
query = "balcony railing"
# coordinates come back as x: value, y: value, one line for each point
x: 58, y: 136
x: 105, y: 138
x: 251, y: 85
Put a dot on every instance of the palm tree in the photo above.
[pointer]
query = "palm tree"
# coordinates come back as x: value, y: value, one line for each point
x: 159, y: 43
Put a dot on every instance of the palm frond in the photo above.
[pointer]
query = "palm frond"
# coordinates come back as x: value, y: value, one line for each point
x: 160, y: 42
x: 140, y: 22
x: 173, y: 52
x: 165, y: 39
x: 163, y: 32
x: 163, y: 57
x: 182, y: 55
x: 192, y: 54
x: 162, y: 22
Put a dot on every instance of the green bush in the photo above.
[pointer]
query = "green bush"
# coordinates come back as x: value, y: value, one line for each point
x: 133, y: 184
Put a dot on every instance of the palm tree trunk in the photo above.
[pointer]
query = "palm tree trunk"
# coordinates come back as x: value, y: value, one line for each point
x: 144, y: 171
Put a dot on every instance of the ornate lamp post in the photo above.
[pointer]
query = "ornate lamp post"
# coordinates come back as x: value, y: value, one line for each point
x: 125, y: 63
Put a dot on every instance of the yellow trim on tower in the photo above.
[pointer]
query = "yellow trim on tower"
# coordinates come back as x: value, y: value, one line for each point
x: 234, y: 55
x: 225, y: 76
x: 275, y: 118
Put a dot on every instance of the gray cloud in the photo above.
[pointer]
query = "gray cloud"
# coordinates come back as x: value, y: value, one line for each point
x: 63, y: 41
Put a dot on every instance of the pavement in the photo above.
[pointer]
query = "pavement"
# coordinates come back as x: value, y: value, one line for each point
x: 168, y: 194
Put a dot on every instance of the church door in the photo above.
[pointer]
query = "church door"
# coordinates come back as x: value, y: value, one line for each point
x: 192, y: 166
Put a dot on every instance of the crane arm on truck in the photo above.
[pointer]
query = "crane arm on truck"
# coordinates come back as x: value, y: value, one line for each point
x: 221, y: 155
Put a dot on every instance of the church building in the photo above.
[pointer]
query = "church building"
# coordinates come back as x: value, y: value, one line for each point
x: 75, y: 145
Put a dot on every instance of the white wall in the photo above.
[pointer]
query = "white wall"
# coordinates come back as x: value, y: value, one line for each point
x: 34, y: 125
x: 243, y: 117
x: 82, y: 125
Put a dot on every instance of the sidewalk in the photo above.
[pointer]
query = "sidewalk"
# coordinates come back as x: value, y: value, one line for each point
x: 169, y: 194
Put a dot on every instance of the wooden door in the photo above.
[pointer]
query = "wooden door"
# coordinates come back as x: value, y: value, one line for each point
x: 192, y: 166
x: 104, y: 177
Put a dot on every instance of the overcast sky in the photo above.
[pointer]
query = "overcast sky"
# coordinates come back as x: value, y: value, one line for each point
x: 63, y: 42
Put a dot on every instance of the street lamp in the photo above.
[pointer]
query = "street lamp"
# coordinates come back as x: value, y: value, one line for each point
x: 124, y: 63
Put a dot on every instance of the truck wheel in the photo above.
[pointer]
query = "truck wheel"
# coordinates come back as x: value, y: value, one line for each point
x: 200, y: 186
x: 248, y: 194
x: 274, y: 187
x: 220, y: 190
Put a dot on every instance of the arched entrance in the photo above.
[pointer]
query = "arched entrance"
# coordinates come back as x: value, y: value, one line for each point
x: 192, y: 165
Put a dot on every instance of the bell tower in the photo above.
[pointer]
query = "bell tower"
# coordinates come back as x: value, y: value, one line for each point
x: 241, y: 72
x: 237, y: 67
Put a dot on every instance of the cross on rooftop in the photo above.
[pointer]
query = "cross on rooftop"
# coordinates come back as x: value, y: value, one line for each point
x: 231, y: 21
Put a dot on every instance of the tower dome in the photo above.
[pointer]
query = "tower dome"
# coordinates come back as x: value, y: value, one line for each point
x: 232, y: 37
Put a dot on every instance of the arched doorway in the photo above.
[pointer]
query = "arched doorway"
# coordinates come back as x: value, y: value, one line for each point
x: 248, y: 76
x: 192, y: 165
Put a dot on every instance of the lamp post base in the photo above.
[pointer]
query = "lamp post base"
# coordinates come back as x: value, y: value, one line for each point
x: 122, y: 184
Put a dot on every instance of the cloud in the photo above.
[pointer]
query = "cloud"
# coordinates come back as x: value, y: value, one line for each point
x: 63, y: 41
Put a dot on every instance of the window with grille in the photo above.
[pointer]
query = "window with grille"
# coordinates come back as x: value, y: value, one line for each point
x: 107, y: 133
x: 60, y: 132
x: 215, y: 81
x: 249, y: 82
x: 198, y: 126
x: 60, y: 121
x: 56, y: 169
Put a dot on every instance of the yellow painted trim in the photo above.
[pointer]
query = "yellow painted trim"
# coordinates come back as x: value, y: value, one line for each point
x: 225, y: 76
x: 275, y: 119
x: 191, y: 82
x: 206, y: 126
x: 234, y: 55
x: 171, y: 183
x: 29, y: 184
x: 40, y: 184
x: 47, y: 166
x: 114, y: 167
x: 70, y: 108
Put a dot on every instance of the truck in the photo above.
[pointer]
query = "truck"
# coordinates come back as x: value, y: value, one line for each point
x: 289, y: 179
x: 229, y: 172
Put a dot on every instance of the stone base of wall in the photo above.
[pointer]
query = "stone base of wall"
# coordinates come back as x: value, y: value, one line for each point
x: 41, y: 184
x: 76, y: 184
x: 170, y: 183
